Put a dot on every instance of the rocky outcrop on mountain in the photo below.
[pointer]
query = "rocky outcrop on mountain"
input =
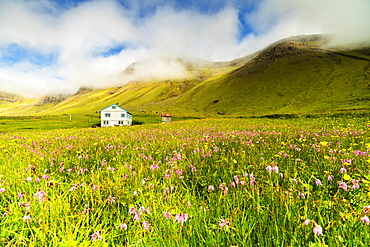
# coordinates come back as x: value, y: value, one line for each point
x: 51, y: 99
x: 9, y: 97
x: 83, y: 90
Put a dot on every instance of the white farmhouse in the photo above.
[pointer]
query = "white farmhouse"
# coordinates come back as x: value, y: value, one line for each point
x: 114, y: 115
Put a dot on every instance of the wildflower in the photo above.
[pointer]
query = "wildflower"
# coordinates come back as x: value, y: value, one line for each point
x: 343, y: 170
x: 306, y: 222
x: 20, y: 195
x: 181, y: 218
x: 269, y: 169
x: 72, y: 188
x: 95, y: 187
x: 40, y: 195
x: 355, y: 184
x: 318, y: 182
x: 96, y: 236
x: 29, y: 179
x: 275, y: 169
x: 233, y: 184
x: 223, y: 223
x: 211, y: 188
x: 302, y: 195
x: 2, y: 190
x: 132, y: 210
x: 123, y: 226
x: 27, y: 218
x: 111, y: 199
x: 153, y: 167
x: 343, y: 185
x: 365, y: 220
x: 294, y: 180
x: 317, y: 230
x: 330, y: 177
x: 146, y: 225
x: 366, y: 209
x: 137, y: 217
x: 167, y: 214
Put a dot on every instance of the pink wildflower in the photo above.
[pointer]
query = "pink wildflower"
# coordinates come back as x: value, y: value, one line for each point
x: 111, y: 199
x: 95, y: 187
x: 318, y: 182
x: 72, y: 188
x: 2, y: 190
x: 27, y: 218
x: 167, y: 214
x: 153, y: 167
x: 355, y: 184
x: 366, y: 209
x: 29, y: 179
x: 343, y: 185
x: 137, y: 217
x: 146, y: 225
x: 343, y: 170
x: 123, y: 226
x: 306, y: 222
x: 40, y: 195
x: 132, y: 210
x: 181, y: 218
x: 269, y: 169
x: 275, y: 169
x: 211, y: 188
x: 365, y: 220
x: 330, y: 177
x: 317, y: 230
x: 96, y: 236
x: 223, y: 223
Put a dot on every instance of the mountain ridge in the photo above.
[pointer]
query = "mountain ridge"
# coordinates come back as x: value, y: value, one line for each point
x: 294, y: 75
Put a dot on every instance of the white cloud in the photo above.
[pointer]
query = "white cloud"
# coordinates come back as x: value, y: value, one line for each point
x: 82, y: 34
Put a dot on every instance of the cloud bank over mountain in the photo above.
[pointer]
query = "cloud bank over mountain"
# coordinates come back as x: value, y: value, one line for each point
x: 50, y: 47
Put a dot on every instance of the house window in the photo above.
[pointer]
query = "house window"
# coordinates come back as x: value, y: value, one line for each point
x: 114, y: 107
x: 120, y: 122
x: 105, y: 122
x: 122, y: 115
x: 107, y: 114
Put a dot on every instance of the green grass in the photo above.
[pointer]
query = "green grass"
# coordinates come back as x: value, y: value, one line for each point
x: 13, y: 123
x: 84, y: 186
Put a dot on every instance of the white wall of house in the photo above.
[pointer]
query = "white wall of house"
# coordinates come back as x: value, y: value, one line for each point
x: 114, y: 115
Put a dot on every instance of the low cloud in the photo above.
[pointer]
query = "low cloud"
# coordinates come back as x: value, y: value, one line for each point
x: 91, y: 43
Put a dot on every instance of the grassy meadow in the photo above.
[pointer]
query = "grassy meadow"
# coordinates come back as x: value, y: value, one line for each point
x: 209, y: 182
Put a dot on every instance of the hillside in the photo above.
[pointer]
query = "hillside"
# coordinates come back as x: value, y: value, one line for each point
x: 290, y: 76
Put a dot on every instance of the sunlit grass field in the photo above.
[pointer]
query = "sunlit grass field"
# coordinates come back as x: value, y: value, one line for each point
x: 209, y: 182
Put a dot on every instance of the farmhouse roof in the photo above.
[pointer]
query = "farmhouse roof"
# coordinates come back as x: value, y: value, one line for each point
x: 118, y: 107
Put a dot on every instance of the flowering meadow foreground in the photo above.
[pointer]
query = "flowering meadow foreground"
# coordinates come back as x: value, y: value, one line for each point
x: 220, y: 182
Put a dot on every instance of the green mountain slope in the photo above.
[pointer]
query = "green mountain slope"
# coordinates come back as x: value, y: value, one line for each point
x: 290, y: 76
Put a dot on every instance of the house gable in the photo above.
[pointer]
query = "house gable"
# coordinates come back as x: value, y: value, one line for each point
x: 114, y: 115
x: 114, y: 108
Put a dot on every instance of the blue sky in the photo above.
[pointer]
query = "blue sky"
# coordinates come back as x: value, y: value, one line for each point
x: 55, y: 46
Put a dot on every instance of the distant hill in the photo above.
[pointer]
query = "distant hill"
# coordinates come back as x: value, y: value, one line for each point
x: 292, y: 76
